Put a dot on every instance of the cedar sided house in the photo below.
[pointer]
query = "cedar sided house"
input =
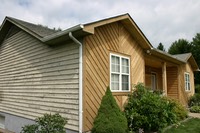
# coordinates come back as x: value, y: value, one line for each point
x: 43, y: 70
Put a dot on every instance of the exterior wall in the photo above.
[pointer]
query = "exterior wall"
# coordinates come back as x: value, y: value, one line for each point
x: 184, y: 95
x: 18, y: 122
x: 158, y: 72
x: 111, y: 38
x: 172, y: 82
x: 37, y: 79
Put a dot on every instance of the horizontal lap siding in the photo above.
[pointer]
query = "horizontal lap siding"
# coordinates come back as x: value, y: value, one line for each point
x: 111, y: 38
x: 172, y: 82
x: 37, y: 79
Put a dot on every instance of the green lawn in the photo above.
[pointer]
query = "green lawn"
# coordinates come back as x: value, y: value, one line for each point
x: 190, y: 126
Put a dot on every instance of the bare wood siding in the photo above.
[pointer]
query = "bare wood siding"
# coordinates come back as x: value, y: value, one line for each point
x: 158, y: 72
x: 184, y: 95
x: 37, y: 79
x: 112, y: 38
x: 172, y: 82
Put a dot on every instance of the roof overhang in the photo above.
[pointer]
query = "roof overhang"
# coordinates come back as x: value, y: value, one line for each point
x: 193, y: 63
x: 64, y: 35
x: 128, y: 23
x: 165, y: 56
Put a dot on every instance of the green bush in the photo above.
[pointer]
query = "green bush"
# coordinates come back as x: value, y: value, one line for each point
x: 195, y: 109
x: 110, y: 119
x: 148, y: 111
x: 180, y: 111
x: 194, y: 100
x: 197, y: 88
x: 47, y: 124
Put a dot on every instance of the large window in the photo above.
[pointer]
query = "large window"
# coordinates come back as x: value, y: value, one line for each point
x: 187, y: 81
x: 119, y: 73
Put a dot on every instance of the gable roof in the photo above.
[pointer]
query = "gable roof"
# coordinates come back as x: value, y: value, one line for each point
x: 40, y: 30
x: 50, y: 36
x: 178, y: 58
x: 42, y: 33
x: 187, y: 57
x: 184, y: 57
x: 127, y: 22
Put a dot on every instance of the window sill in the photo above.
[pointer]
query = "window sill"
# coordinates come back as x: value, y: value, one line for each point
x: 122, y: 93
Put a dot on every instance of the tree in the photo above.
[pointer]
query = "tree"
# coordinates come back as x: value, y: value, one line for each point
x: 161, y: 47
x: 195, y: 52
x: 110, y: 118
x: 179, y: 47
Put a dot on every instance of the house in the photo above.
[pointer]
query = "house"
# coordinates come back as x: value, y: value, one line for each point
x: 48, y: 71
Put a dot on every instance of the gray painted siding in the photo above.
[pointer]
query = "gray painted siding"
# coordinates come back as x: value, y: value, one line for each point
x: 36, y: 78
x: 18, y: 122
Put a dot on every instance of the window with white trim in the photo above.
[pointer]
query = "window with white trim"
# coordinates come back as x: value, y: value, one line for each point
x: 187, y: 81
x: 119, y: 73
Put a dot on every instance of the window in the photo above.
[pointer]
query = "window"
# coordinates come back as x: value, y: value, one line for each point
x: 153, y: 81
x: 187, y: 81
x: 119, y: 73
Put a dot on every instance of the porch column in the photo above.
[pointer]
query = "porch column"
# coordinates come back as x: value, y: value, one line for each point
x: 164, y: 78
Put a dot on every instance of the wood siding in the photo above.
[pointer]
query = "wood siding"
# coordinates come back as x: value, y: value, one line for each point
x: 172, y: 82
x: 184, y: 95
x: 158, y: 72
x: 37, y: 79
x: 111, y: 38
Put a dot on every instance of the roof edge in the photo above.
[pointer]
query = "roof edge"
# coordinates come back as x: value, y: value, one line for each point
x: 62, y: 33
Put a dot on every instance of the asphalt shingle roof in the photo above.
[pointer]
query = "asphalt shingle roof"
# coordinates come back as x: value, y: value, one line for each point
x: 183, y: 57
x: 38, y: 29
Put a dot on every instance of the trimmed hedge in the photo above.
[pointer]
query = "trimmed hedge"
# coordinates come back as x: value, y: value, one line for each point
x: 110, y: 118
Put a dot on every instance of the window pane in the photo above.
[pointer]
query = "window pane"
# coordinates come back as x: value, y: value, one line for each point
x: 125, y: 82
x: 114, y: 81
x: 115, y: 64
x: 125, y: 66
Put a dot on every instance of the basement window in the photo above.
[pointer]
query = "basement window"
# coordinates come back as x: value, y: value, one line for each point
x: 119, y: 73
x: 187, y: 81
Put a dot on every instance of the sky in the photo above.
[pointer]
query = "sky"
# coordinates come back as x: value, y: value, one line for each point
x: 162, y: 21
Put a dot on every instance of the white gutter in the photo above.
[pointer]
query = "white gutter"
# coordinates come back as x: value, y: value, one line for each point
x: 80, y: 82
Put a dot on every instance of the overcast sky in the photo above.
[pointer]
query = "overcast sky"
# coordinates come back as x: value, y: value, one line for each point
x: 160, y: 20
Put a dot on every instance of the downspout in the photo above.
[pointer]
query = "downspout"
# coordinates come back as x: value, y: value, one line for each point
x: 80, y: 81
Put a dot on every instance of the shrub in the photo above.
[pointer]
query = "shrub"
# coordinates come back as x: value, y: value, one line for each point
x: 47, y: 124
x: 197, y: 88
x: 194, y: 100
x: 195, y: 109
x: 110, y: 118
x: 180, y: 111
x: 148, y: 111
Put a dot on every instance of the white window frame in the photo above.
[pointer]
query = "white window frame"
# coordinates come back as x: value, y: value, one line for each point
x: 187, y: 81
x: 120, y: 73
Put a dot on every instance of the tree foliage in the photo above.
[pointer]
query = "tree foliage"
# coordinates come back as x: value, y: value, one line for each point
x: 110, y: 118
x: 179, y: 47
x: 161, y: 47
x: 196, y: 54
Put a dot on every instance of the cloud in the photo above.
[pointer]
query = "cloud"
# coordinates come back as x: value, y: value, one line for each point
x: 161, y: 21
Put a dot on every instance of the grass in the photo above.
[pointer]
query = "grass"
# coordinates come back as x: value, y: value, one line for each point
x: 190, y: 126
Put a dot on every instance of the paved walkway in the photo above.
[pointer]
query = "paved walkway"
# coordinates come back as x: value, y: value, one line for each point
x: 195, y: 115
